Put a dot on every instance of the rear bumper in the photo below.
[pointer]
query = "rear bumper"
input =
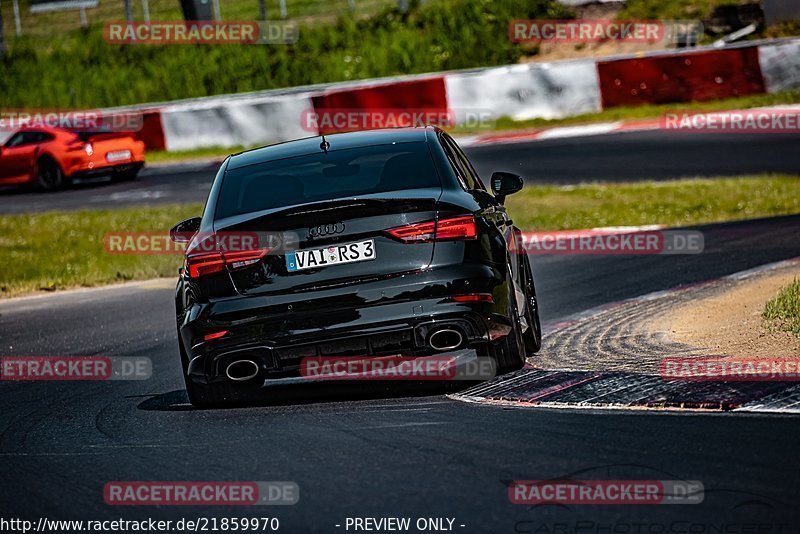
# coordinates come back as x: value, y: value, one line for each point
x: 387, y: 317
x: 107, y: 170
x: 18, y: 180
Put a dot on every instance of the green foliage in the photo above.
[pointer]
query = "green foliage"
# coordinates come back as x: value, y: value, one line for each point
x: 81, y: 70
x: 671, y: 9
x: 784, y: 310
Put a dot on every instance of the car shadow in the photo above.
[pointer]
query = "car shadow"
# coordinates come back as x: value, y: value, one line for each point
x: 302, y: 394
x: 95, y: 183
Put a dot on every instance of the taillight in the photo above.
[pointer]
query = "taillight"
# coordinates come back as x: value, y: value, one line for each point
x: 198, y: 265
x: 454, y: 228
x: 474, y: 297
x: 214, y: 335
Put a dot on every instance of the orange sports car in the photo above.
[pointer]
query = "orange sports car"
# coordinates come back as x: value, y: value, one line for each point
x: 49, y: 158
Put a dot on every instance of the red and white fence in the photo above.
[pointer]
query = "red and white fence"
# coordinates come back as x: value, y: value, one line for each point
x: 524, y: 91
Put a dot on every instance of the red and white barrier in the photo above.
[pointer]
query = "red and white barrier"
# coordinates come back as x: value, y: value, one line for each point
x: 780, y: 65
x: 525, y: 91
x: 682, y: 77
x: 422, y: 94
x: 532, y: 90
x: 239, y: 122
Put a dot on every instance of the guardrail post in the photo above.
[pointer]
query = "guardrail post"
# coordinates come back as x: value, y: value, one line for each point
x: 17, y: 23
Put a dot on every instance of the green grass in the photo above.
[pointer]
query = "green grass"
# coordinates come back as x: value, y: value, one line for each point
x: 52, y: 251
x: 783, y: 311
x: 673, y: 203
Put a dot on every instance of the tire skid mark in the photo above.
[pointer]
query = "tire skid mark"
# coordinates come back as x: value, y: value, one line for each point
x: 608, y: 357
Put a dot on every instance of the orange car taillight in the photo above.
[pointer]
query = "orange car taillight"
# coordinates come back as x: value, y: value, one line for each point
x: 454, y: 228
x: 199, y: 265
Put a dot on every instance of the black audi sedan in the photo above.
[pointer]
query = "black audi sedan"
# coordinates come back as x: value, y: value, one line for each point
x: 379, y: 243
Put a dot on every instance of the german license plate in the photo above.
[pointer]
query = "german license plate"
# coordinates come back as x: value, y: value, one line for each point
x: 118, y: 155
x: 333, y: 255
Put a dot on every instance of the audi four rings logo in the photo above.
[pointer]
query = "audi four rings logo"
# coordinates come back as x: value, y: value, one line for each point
x: 326, y: 229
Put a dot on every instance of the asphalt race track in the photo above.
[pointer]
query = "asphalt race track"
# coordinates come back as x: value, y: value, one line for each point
x: 613, y: 157
x: 413, y: 452
x: 361, y: 453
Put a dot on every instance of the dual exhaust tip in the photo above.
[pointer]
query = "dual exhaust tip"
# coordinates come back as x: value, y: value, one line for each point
x: 440, y: 340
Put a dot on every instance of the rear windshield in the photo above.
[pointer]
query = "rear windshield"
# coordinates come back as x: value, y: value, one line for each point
x: 337, y: 174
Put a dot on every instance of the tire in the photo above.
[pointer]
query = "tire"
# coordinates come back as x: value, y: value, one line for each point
x: 206, y: 396
x: 203, y: 395
x: 199, y: 396
x: 219, y: 394
x: 48, y: 174
x: 508, y: 353
x: 532, y: 337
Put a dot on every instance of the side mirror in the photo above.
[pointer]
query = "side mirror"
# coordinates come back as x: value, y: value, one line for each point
x: 183, y: 231
x: 504, y: 184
